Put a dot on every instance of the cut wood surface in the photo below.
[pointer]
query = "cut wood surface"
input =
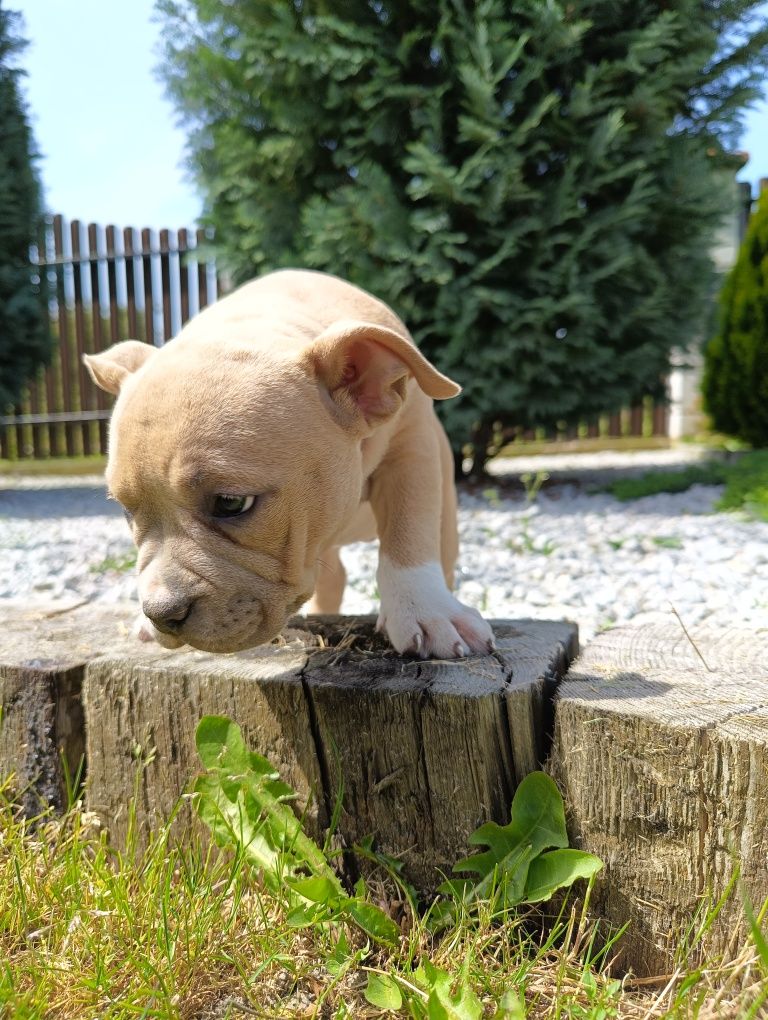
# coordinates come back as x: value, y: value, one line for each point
x: 661, y: 751
x: 418, y: 753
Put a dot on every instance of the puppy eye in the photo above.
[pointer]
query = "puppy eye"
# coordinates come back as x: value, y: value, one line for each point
x: 226, y: 505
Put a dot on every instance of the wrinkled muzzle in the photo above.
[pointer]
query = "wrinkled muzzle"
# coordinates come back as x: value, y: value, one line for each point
x: 184, y: 608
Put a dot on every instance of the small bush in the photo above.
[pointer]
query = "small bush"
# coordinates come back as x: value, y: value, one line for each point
x: 735, y: 384
x: 747, y: 485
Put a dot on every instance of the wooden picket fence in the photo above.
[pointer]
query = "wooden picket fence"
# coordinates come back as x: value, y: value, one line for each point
x: 104, y: 285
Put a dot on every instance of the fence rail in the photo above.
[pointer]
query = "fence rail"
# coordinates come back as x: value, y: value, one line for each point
x: 103, y: 285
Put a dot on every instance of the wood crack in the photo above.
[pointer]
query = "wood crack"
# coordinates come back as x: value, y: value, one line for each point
x: 319, y: 746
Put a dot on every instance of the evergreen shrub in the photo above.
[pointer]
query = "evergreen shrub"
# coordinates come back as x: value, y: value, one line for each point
x: 533, y: 186
x: 735, y: 381
x: 24, y: 336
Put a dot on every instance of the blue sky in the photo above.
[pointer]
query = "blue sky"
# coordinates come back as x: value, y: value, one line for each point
x: 112, y: 152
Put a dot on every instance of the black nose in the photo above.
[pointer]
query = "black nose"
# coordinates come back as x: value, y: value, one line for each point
x: 167, y: 614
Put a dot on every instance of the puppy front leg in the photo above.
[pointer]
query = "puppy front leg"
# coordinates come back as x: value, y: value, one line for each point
x: 418, y: 612
x: 330, y: 583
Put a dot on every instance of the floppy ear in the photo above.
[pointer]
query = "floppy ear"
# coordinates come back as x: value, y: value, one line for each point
x: 110, y: 369
x: 364, y: 368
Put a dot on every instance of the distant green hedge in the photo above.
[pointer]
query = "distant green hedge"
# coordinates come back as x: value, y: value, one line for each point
x: 735, y: 382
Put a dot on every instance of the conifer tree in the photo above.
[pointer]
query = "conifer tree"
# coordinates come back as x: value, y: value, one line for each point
x: 736, y: 360
x: 532, y: 185
x: 24, y: 340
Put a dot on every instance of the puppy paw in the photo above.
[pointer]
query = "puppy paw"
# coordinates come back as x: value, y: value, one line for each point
x: 420, y: 616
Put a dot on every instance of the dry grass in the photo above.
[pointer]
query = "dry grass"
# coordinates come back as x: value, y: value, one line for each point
x: 185, y: 933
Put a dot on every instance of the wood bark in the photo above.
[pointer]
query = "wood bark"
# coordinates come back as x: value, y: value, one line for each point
x: 661, y: 751
x: 43, y: 653
x: 416, y: 753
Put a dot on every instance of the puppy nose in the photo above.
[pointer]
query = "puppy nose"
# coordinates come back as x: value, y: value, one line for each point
x: 167, y: 613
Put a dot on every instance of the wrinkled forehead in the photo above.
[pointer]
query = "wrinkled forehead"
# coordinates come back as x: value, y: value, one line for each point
x: 183, y: 418
x: 203, y: 393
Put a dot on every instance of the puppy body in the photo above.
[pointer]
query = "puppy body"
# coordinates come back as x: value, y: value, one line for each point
x: 288, y: 419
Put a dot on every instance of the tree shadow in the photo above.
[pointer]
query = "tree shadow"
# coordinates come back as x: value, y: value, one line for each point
x: 64, y: 501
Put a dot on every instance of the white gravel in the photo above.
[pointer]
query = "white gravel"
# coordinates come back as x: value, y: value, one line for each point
x: 572, y: 553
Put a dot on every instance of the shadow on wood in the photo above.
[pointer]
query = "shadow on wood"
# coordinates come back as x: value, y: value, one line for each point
x: 663, y: 762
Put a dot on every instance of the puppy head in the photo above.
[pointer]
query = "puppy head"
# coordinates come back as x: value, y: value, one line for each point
x: 237, y: 464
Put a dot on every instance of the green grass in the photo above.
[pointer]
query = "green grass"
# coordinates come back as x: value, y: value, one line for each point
x: 118, y: 564
x: 653, y: 482
x: 746, y: 485
x: 744, y: 476
x: 177, y: 932
x: 54, y: 466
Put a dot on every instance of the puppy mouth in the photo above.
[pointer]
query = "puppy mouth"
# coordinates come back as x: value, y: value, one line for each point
x: 170, y: 641
x: 244, y: 624
x: 222, y: 637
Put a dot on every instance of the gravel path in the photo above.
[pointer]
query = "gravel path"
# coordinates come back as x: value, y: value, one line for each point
x: 572, y: 553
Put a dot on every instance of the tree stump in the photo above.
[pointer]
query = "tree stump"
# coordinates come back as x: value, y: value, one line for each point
x: 43, y: 652
x: 419, y: 753
x: 661, y: 752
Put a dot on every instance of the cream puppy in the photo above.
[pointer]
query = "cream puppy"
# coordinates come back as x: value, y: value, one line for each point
x: 290, y: 418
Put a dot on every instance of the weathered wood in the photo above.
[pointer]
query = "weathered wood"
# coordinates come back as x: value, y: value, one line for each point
x: 43, y: 652
x: 142, y: 714
x: 420, y: 753
x: 424, y: 752
x: 663, y: 762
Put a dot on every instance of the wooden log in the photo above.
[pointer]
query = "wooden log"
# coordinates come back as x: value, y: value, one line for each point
x: 142, y: 712
x: 42, y: 665
x: 420, y: 753
x: 661, y: 751
x: 424, y: 752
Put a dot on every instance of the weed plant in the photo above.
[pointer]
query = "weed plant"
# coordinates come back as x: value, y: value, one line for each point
x: 177, y: 931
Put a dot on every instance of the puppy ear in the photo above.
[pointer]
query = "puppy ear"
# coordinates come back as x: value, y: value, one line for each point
x: 365, y: 367
x: 110, y: 369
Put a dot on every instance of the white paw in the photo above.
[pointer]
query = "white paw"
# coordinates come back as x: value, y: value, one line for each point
x: 421, y: 616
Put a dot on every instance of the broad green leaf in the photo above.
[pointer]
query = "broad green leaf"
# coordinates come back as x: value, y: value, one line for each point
x: 445, y: 1004
x: 455, y: 887
x: 556, y: 870
x: 511, y: 1007
x: 373, y: 921
x: 220, y: 745
x: 343, y: 958
x: 243, y: 802
x: 306, y: 914
x: 442, y: 914
x: 242, y: 799
x: 507, y: 875
x: 221, y: 805
x: 515, y: 866
x: 317, y: 889
x: 588, y: 979
x: 383, y: 991
x: 537, y: 819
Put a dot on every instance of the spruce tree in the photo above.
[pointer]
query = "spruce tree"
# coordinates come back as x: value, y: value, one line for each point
x: 24, y: 339
x: 532, y: 185
x: 736, y: 360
